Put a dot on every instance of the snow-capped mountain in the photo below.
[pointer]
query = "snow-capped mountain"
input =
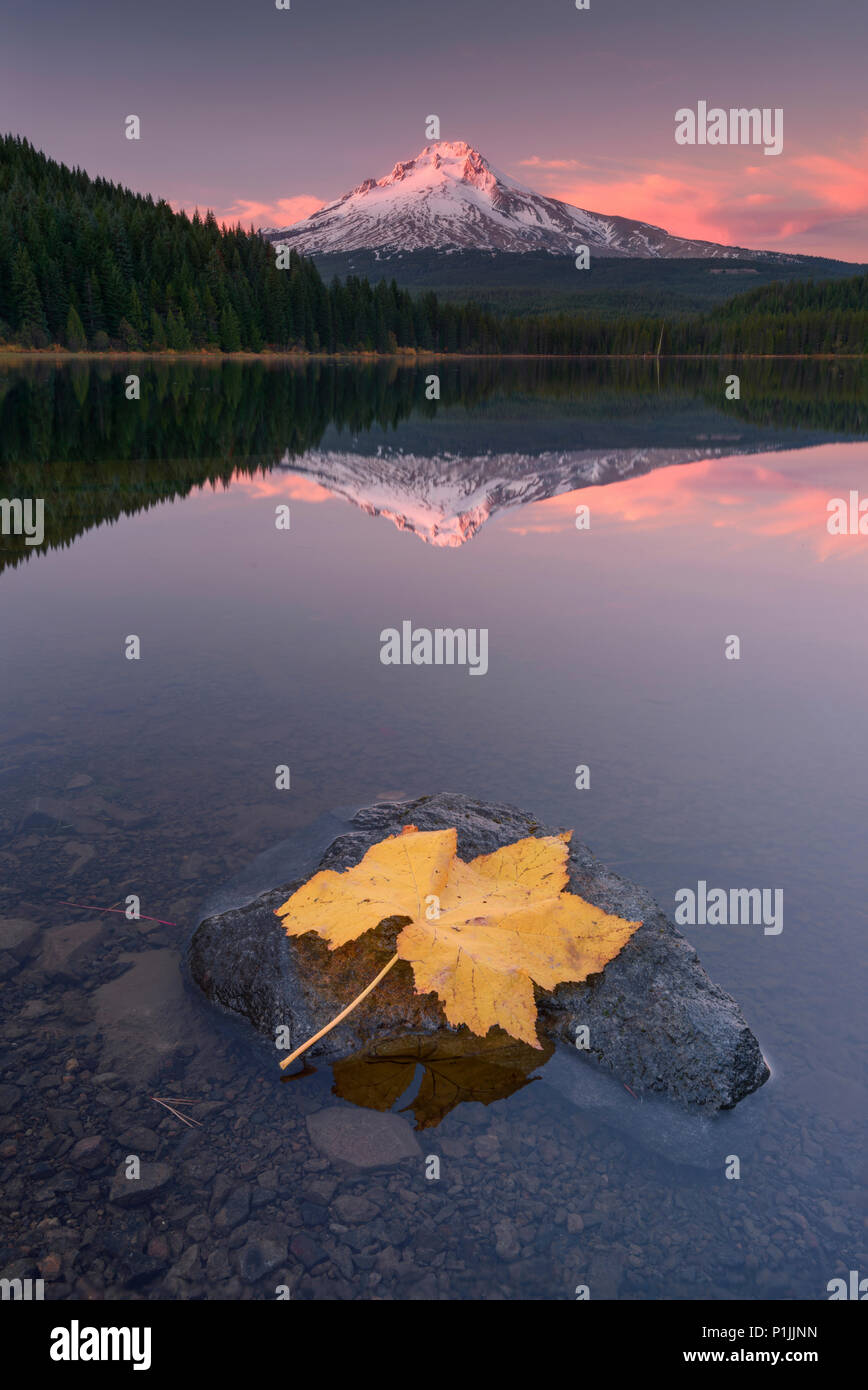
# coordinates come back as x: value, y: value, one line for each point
x: 449, y: 198
x: 445, y: 499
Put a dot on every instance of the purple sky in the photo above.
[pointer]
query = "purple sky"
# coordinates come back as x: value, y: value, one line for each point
x: 266, y: 114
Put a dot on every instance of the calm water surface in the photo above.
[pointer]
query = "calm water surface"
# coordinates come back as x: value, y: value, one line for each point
x: 261, y: 647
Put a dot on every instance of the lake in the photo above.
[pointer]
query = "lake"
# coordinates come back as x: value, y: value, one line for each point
x: 260, y: 648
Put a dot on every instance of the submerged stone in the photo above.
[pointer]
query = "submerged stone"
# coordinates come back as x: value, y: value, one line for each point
x: 653, y: 1017
x: 362, y: 1137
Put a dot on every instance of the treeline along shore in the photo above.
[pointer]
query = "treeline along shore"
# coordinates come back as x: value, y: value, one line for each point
x: 87, y: 265
x: 69, y: 437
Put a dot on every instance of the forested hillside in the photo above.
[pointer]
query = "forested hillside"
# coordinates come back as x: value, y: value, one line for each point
x: 85, y: 263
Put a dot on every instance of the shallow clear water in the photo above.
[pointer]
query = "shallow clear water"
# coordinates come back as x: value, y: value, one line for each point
x: 261, y: 647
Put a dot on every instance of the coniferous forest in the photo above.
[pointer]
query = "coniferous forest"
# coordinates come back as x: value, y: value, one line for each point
x: 86, y: 264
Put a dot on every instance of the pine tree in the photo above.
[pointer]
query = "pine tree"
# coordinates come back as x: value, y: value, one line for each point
x: 26, y: 300
x: 158, y: 333
x: 230, y: 331
x: 75, y: 335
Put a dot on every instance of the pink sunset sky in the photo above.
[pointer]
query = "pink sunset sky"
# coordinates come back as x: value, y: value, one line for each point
x: 781, y: 497
x: 264, y: 115
x: 817, y: 202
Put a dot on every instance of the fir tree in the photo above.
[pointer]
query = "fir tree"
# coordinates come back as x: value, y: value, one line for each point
x: 75, y: 335
x: 230, y: 332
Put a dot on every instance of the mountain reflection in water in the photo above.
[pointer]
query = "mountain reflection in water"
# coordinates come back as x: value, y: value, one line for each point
x: 503, y: 434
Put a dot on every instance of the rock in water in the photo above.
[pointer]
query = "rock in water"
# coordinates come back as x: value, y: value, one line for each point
x: 655, y: 1018
x: 362, y: 1137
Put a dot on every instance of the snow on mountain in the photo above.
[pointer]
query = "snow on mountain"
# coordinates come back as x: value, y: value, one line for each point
x: 450, y: 198
x: 445, y: 499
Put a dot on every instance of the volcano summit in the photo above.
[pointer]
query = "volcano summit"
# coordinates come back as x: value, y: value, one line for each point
x: 449, y: 198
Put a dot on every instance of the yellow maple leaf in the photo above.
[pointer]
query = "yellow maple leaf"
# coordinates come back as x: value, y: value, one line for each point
x: 480, y: 934
x: 393, y: 880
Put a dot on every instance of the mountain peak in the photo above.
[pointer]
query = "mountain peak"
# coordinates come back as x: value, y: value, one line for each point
x: 441, y: 162
x: 439, y: 150
x: 450, y: 198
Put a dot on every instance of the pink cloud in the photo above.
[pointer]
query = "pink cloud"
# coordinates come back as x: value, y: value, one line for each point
x: 536, y: 163
x: 840, y: 183
x: 737, y: 494
x: 281, y: 485
x: 281, y: 213
x: 814, y: 202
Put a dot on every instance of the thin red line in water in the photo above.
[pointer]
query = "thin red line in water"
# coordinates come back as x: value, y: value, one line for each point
x: 141, y: 917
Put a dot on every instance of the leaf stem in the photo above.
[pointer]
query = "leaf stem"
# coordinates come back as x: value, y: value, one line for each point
x: 342, y: 1015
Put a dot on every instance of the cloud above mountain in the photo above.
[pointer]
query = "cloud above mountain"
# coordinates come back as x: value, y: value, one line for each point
x: 814, y: 200
x: 281, y: 212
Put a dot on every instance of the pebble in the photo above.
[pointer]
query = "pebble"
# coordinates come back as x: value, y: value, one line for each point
x: 364, y: 1138
x: 50, y: 1266
x: 354, y: 1209
x: 507, y: 1244
x: 10, y: 1095
x: 133, y: 1192
x: 18, y: 936
x: 234, y: 1210
x: 260, y: 1257
x: 307, y: 1250
x: 90, y: 1152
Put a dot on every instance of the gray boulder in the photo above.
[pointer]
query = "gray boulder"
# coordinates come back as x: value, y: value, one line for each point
x: 655, y: 1018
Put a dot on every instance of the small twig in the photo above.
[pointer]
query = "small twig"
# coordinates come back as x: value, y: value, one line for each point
x: 185, y: 1119
x: 342, y: 1015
